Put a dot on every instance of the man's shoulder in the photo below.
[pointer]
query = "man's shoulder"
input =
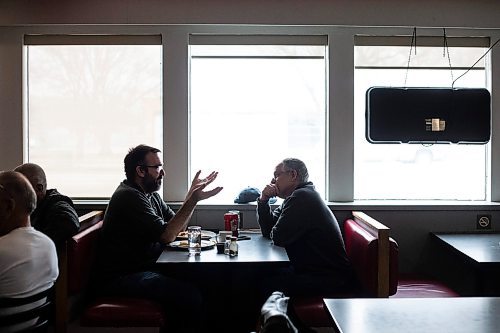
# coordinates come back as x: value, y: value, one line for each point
x: 54, y: 198
x: 306, y: 187
x: 59, y: 203
x: 63, y: 205
x: 54, y: 194
x: 46, y: 249
x: 306, y: 190
x: 42, y: 238
x: 126, y: 192
x: 29, y: 235
x: 42, y: 258
x: 126, y: 198
x: 307, y: 198
x: 157, y: 197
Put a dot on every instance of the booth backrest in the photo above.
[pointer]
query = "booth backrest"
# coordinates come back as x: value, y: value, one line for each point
x: 393, y: 266
x: 374, y: 258
x: 373, y: 255
x: 89, y: 219
x: 80, y: 253
x: 81, y: 250
x: 69, y: 265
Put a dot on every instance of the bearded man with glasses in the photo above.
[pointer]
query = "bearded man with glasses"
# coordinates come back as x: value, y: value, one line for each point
x: 137, y: 224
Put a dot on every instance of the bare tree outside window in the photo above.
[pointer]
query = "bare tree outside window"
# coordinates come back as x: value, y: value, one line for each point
x: 262, y: 103
x: 87, y: 105
x: 415, y: 171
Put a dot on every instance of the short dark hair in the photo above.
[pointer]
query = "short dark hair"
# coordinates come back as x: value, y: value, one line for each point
x: 297, y: 165
x: 136, y: 157
x: 34, y: 173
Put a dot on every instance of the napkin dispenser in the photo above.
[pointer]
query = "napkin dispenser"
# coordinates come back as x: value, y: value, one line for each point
x: 428, y: 115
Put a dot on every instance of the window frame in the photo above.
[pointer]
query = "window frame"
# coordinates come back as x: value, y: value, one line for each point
x: 433, y: 41
x: 175, y: 92
x: 77, y: 40
x: 263, y: 40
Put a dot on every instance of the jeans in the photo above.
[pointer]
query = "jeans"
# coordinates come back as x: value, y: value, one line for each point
x: 181, y: 301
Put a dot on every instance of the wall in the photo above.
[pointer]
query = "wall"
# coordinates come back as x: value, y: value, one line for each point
x: 410, y: 226
x: 423, y: 13
x: 410, y: 223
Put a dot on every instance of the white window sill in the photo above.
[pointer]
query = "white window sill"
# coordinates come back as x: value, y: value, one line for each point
x: 392, y: 205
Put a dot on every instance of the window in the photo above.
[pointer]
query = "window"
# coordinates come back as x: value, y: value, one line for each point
x: 90, y: 99
x: 412, y: 171
x: 255, y: 103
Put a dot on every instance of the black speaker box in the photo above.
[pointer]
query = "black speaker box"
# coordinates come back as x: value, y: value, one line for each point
x: 428, y: 115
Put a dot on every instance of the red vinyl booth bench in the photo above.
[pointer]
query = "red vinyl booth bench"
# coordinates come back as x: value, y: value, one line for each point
x: 374, y: 257
x: 106, y: 311
x: 417, y: 286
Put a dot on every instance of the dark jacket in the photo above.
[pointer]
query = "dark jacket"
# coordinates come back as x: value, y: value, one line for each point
x: 306, y: 227
x: 56, y: 217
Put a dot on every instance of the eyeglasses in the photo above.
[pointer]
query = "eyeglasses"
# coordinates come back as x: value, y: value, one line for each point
x: 157, y: 167
x: 277, y: 174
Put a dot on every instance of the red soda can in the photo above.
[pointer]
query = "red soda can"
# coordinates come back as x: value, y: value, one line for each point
x: 235, y: 223
x: 228, y: 218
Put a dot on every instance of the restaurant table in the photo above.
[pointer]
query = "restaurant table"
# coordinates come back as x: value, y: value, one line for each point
x: 479, y: 253
x: 230, y: 285
x: 415, y: 315
x: 257, y: 250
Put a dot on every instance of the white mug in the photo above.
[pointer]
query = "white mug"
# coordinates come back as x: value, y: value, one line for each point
x: 221, y: 237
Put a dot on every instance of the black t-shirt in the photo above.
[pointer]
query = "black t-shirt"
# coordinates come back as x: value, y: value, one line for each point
x: 130, y: 238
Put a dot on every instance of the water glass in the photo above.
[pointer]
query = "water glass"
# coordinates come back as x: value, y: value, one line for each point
x: 194, y: 240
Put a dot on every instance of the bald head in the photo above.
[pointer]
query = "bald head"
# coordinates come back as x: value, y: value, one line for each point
x: 17, y: 201
x: 36, y: 177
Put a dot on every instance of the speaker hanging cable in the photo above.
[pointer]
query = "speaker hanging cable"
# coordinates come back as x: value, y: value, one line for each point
x: 413, y: 43
x: 447, y: 51
x: 478, y: 60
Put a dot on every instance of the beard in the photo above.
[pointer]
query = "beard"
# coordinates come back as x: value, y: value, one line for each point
x: 151, y: 184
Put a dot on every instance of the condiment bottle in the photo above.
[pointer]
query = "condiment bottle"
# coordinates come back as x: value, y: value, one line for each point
x: 226, y: 245
x: 233, y: 247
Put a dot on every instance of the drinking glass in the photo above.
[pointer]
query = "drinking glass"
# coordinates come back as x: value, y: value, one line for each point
x: 194, y: 240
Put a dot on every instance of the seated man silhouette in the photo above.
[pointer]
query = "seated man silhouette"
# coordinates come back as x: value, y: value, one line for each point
x: 55, y: 213
x: 136, y: 226
x: 28, y: 258
x: 306, y: 227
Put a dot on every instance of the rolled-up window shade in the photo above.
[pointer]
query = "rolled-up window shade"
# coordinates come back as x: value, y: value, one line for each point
x: 92, y: 40
x: 202, y: 39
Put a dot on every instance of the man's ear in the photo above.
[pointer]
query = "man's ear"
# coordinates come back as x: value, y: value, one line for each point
x: 39, y: 188
x: 294, y: 174
x: 7, y: 207
x: 140, y: 171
